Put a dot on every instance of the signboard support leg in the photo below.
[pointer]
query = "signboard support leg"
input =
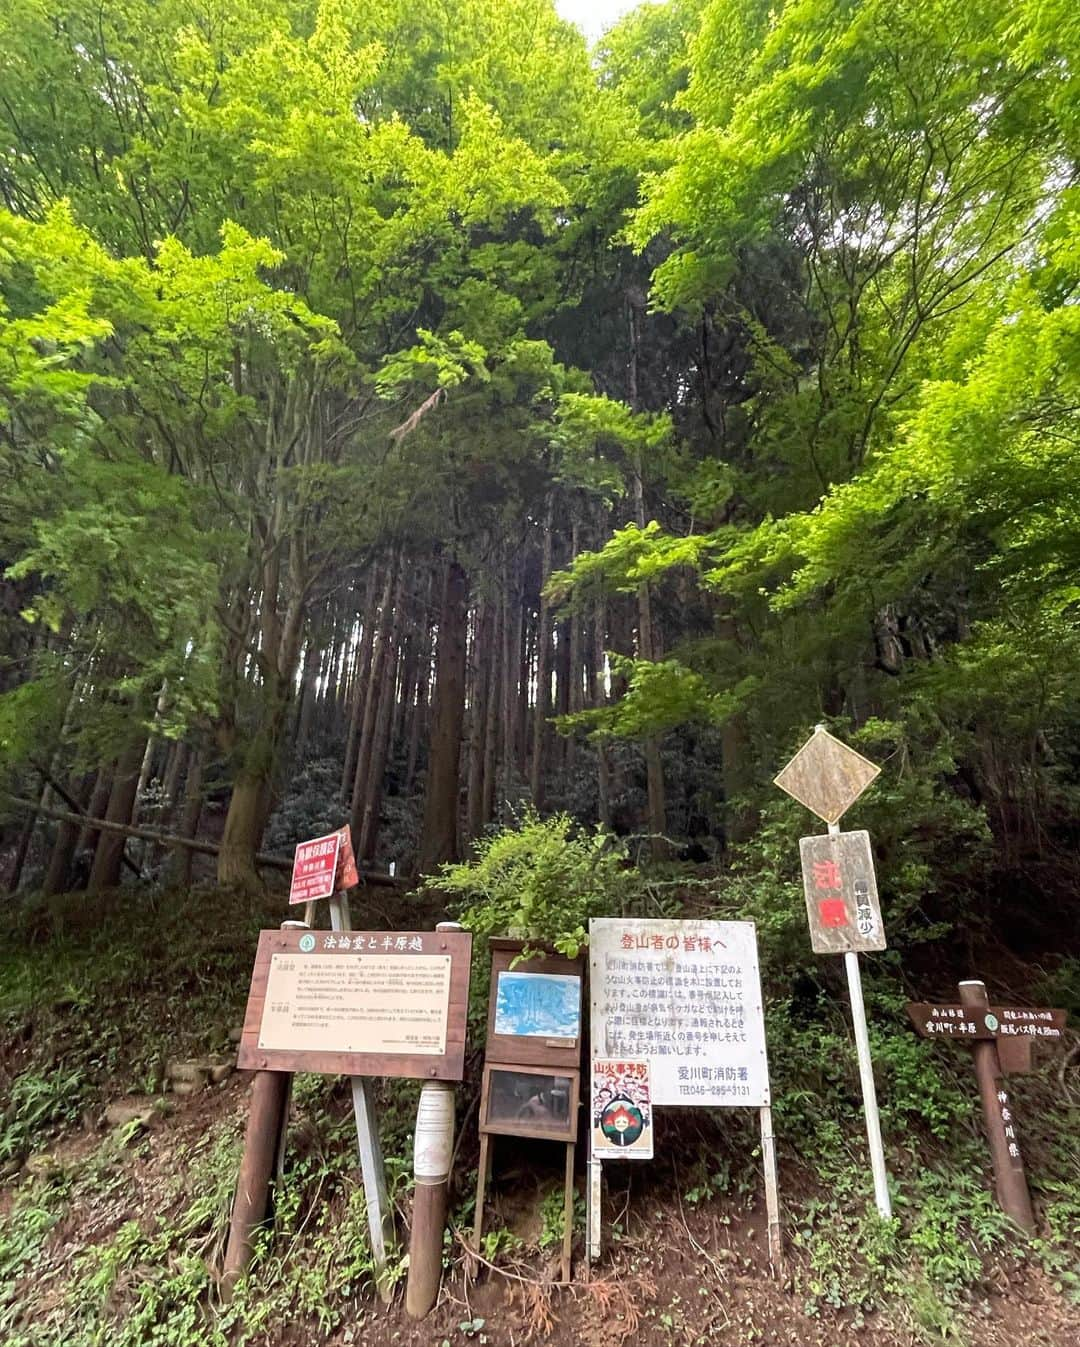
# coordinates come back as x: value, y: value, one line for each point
x: 433, y: 1148
x: 866, y: 1076
x: 1010, y: 1181
x: 593, y: 1192
x: 772, y: 1187
x: 483, y: 1174
x: 268, y: 1093
x: 372, y: 1165
x: 568, y: 1213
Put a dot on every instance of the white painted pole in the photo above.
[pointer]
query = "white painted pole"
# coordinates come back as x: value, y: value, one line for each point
x: 866, y: 1076
x: 593, y: 1198
x: 372, y: 1166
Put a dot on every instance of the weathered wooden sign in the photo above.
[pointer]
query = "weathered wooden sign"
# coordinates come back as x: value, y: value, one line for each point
x: 842, y: 905
x: 532, y: 1063
x: 1001, y: 1038
x: 684, y: 999
x: 368, y: 1003
x: 961, y: 1022
x: 621, y: 1109
x: 826, y: 776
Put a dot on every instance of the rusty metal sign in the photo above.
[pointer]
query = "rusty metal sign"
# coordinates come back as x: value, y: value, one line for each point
x: 826, y: 776
x: 842, y: 904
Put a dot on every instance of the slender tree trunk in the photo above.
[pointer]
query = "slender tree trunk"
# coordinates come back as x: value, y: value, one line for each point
x: 543, y: 669
x: 360, y: 683
x: 306, y: 713
x: 481, y: 679
x: 105, y: 872
x: 58, y: 874
x: 492, y: 690
x: 439, y: 839
x: 181, y: 860
x: 419, y: 711
x: 99, y: 800
x: 379, y: 664
x: 373, y: 789
x: 603, y: 765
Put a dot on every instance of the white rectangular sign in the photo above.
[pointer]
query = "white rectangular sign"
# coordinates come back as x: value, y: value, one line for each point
x: 371, y: 1003
x: 685, y: 996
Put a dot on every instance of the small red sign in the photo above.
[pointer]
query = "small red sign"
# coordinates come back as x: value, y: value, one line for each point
x: 315, y: 869
x: 833, y: 912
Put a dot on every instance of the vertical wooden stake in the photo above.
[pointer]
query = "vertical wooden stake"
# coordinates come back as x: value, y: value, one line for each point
x: 372, y: 1166
x: 483, y: 1173
x: 256, y: 1167
x: 772, y: 1188
x: 1010, y: 1181
x: 568, y: 1212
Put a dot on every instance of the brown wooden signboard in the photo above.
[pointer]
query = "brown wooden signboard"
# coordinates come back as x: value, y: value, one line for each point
x: 534, y: 1007
x: 999, y: 1022
x: 358, y: 1003
x: 1001, y: 1039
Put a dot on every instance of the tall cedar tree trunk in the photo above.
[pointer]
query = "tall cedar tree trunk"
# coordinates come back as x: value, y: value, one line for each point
x: 648, y: 647
x: 181, y: 859
x: 58, y: 873
x: 373, y: 790
x: 252, y: 793
x: 99, y: 799
x: 423, y: 678
x: 511, y: 640
x: 537, y: 780
x: 481, y: 680
x: 360, y: 681
x: 373, y: 695
x: 491, y: 717
x: 439, y: 838
x: 603, y: 765
x: 105, y: 872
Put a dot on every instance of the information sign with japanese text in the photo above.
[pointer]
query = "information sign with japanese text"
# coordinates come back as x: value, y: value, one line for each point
x: 842, y: 904
x: 999, y: 1022
x: 685, y: 996
x: 621, y: 1109
x: 358, y: 1003
x: 314, y: 871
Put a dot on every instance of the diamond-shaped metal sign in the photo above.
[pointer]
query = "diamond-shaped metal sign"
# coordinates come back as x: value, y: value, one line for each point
x: 826, y: 776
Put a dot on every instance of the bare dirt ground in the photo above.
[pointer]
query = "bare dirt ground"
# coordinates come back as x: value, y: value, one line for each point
x: 675, y: 1274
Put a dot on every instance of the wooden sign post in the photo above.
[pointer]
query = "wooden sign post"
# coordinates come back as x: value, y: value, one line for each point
x: 362, y: 1004
x: 682, y: 999
x: 1001, y: 1038
x: 532, y: 1064
x: 841, y: 897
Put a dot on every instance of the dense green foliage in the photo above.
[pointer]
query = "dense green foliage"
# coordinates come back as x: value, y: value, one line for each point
x: 385, y: 387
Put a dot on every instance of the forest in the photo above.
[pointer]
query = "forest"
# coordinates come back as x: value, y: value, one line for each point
x: 416, y: 416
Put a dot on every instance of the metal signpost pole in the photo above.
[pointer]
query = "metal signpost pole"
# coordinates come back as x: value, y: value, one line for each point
x: 372, y: 1165
x: 866, y: 1077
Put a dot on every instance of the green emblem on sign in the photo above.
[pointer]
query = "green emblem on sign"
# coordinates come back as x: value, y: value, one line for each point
x: 307, y: 943
x: 991, y: 1022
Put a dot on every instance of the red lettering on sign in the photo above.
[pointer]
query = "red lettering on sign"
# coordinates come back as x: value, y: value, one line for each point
x: 826, y: 875
x: 832, y: 912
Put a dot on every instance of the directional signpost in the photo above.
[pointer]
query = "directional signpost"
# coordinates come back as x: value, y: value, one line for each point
x: 841, y: 896
x: 1001, y: 1037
